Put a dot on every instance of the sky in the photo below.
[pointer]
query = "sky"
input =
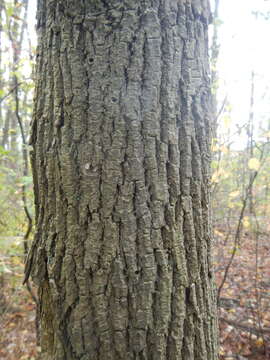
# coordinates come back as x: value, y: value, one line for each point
x: 244, y: 47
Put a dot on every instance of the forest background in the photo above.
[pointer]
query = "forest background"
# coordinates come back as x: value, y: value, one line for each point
x: 240, y: 177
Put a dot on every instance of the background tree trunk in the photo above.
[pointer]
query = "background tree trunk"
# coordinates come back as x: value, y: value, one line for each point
x: 121, y: 135
x: 1, y: 64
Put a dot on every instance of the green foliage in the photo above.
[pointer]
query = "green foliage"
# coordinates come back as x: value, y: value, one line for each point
x: 9, y: 9
x: 16, y: 96
x: 12, y: 222
x: 232, y: 171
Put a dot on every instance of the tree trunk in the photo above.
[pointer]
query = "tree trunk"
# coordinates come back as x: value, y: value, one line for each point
x: 121, y: 135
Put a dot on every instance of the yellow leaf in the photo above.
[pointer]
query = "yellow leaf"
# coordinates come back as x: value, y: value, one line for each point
x: 254, y: 164
x: 219, y: 174
x: 227, y: 121
x: 16, y: 260
x: 12, y: 131
x: 215, y: 147
x: 246, y: 222
x: 218, y: 233
x: 234, y: 194
x: 221, y: 351
x: 259, y: 342
x: 224, y: 149
x: 215, y: 177
x: 230, y: 205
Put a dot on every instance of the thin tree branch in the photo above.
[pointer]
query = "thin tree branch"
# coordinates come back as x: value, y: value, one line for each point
x: 237, y: 236
x: 10, y: 92
x: 244, y: 327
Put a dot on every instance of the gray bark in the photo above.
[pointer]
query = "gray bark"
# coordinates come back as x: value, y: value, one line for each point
x: 120, y: 136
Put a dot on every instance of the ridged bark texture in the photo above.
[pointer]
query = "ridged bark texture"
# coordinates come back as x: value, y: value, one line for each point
x: 121, y: 134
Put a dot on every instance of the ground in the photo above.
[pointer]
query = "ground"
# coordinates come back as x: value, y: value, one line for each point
x: 17, y: 309
x: 245, y: 299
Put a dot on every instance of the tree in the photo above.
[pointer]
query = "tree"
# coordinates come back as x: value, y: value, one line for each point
x: 120, y: 136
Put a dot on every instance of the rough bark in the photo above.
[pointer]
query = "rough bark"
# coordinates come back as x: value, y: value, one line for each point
x: 120, y: 136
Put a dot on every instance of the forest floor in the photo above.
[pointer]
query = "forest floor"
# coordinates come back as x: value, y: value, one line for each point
x: 244, y: 311
x: 17, y: 308
x: 244, y: 307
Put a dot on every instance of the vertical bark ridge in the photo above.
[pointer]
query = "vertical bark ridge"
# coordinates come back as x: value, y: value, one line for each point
x: 121, y: 157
